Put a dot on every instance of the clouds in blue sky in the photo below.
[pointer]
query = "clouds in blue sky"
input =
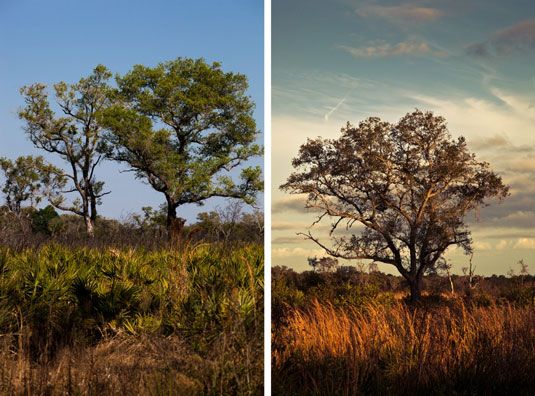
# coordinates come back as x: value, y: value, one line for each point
x: 380, y: 48
x: 406, y: 13
x: 518, y: 38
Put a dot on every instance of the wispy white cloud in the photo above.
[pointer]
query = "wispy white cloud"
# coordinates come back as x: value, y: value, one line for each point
x: 517, y: 38
x: 479, y: 245
x: 502, y: 142
x: 296, y: 251
x: 291, y: 203
x: 287, y: 240
x: 525, y: 243
x: 403, y: 13
x: 382, y: 49
x: 502, y: 245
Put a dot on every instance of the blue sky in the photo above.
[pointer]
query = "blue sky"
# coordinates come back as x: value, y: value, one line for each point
x: 346, y: 60
x: 61, y: 40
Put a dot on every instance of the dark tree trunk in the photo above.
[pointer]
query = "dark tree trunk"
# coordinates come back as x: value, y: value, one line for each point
x: 175, y: 225
x: 415, y: 284
x: 93, y: 204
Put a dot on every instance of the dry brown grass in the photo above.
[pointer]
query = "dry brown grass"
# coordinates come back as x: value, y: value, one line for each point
x: 449, y: 348
x: 119, y: 366
x: 130, y: 365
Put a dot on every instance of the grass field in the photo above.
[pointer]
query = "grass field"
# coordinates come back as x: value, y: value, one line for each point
x: 446, y: 348
x: 117, y: 321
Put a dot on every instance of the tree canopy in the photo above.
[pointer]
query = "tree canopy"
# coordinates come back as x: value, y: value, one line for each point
x: 408, y: 184
x: 185, y: 127
x: 29, y: 179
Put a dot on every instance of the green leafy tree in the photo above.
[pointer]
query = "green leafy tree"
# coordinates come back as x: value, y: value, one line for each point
x: 73, y: 133
x: 409, y: 185
x: 29, y: 179
x: 149, y: 220
x: 184, y: 126
x: 45, y: 221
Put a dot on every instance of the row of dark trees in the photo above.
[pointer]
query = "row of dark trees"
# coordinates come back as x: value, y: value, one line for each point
x: 185, y: 127
x: 299, y: 289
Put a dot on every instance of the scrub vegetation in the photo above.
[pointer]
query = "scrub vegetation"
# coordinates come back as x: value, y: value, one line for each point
x: 131, y: 321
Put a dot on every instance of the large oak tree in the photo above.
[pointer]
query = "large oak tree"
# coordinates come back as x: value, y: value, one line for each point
x: 408, y: 185
x: 73, y: 133
x: 184, y: 126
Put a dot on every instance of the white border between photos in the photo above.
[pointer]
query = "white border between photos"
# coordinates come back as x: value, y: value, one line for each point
x: 267, y: 197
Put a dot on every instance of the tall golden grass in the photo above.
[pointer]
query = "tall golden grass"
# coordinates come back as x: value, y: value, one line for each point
x: 398, y: 349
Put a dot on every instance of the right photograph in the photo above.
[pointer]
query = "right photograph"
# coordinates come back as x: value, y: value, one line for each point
x: 403, y: 197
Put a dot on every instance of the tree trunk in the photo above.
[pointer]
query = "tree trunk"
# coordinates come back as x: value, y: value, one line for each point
x: 89, y: 226
x: 93, y: 205
x: 175, y: 226
x: 451, y: 283
x: 416, y: 288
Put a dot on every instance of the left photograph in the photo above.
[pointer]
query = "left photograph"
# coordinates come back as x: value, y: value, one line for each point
x: 131, y: 197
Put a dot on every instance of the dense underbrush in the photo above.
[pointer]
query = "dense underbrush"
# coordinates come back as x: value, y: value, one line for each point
x: 131, y: 321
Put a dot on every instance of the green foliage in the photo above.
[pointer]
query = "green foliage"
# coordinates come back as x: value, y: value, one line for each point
x: 197, y: 312
x: 45, y: 220
x: 183, y: 126
x: 224, y: 290
x: 73, y: 134
x: 30, y: 179
x: 62, y: 294
x: 150, y: 217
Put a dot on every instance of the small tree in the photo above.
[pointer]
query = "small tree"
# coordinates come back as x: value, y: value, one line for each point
x: 45, y: 221
x: 323, y: 264
x: 29, y: 179
x: 225, y: 222
x: 183, y: 126
x: 524, y: 270
x: 73, y: 135
x: 409, y: 184
x: 444, y: 267
x: 149, y: 220
x: 469, y: 272
x: 373, y: 267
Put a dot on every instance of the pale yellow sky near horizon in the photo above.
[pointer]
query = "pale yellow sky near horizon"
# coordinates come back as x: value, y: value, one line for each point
x: 499, y: 240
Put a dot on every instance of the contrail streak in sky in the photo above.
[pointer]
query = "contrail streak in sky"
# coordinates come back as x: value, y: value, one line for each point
x: 326, y: 116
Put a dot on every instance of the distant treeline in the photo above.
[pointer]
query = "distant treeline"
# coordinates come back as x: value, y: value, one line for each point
x: 349, y: 287
x: 33, y: 227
